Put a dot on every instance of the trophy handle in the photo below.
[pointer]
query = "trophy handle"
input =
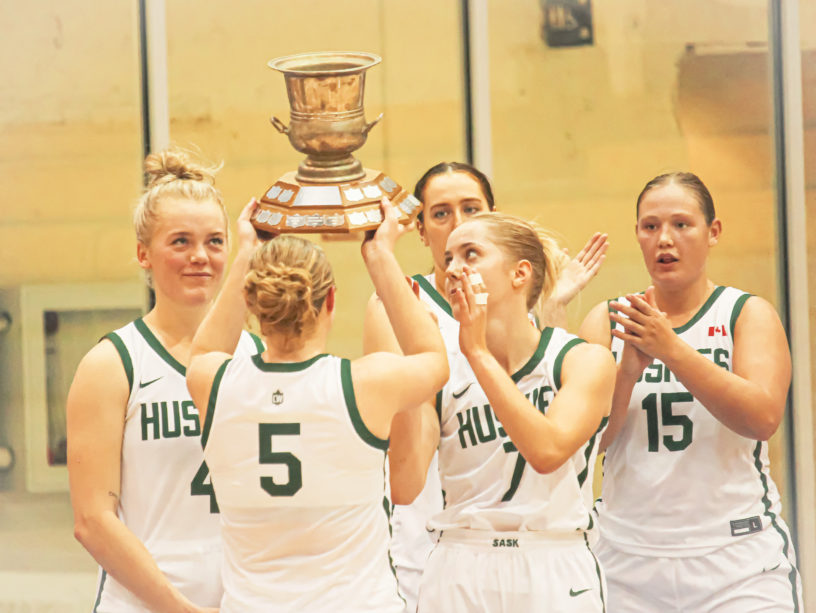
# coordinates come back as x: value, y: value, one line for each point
x: 283, y: 128
x: 368, y: 126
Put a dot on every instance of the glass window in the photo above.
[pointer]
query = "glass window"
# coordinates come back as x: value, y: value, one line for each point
x: 578, y: 130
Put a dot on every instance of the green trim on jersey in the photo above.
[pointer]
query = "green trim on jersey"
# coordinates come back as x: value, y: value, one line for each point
x: 205, y: 430
x: 772, y: 516
x: 354, y: 412
x: 438, y: 405
x: 389, y: 509
x: 154, y: 343
x: 597, y: 572
x: 435, y: 295
x: 588, y: 452
x: 99, y: 593
x: 124, y: 356
x: 538, y: 355
x: 258, y: 360
x: 559, y: 360
x: 736, y: 313
x: 258, y: 342
x: 703, y: 310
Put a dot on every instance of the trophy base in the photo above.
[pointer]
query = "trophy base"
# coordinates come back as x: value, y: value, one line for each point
x: 293, y: 206
x: 346, y: 169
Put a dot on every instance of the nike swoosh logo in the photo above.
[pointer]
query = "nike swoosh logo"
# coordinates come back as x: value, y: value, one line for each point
x: 462, y: 393
x: 146, y: 383
x: 765, y: 570
x: 579, y: 592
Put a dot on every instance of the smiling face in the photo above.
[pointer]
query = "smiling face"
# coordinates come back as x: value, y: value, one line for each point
x: 449, y: 199
x: 187, y: 250
x: 674, y: 237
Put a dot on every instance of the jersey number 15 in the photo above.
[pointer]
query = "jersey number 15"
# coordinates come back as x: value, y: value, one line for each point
x: 668, y: 418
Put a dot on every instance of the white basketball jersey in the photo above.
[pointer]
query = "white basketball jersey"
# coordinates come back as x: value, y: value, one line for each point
x: 166, y: 499
x: 677, y: 481
x: 299, y: 481
x: 487, y: 483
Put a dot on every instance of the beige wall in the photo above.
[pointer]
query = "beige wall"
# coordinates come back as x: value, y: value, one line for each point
x: 576, y: 131
x: 70, y: 138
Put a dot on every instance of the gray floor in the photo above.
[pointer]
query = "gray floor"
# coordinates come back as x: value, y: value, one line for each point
x: 42, y: 568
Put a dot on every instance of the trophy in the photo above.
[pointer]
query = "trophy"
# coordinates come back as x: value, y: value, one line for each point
x: 330, y: 192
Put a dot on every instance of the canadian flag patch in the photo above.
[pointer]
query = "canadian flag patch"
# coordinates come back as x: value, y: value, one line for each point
x: 717, y: 331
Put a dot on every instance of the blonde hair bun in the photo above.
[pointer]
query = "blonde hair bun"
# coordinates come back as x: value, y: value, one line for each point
x: 175, y: 163
x: 288, y: 280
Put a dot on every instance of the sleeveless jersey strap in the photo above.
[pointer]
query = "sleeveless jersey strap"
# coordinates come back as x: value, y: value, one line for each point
x: 205, y: 431
x: 258, y: 342
x: 353, y: 410
x: 123, y: 355
x: 559, y: 360
x: 735, y: 312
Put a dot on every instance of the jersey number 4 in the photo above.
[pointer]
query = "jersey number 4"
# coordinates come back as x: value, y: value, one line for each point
x: 201, y: 486
x: 668, y: 418
x: 267, y: 456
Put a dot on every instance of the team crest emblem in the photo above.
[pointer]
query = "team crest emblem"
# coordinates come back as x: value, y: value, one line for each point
x: 277, y: 397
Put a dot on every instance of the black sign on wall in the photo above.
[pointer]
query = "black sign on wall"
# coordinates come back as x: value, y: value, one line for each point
x: 567, y: 23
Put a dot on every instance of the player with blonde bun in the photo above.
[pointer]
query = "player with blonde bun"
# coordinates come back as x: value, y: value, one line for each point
x: 295, y: 438
x: 143, y: 505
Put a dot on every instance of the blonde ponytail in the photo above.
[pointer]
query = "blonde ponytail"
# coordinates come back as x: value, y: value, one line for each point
x: 522, y: 240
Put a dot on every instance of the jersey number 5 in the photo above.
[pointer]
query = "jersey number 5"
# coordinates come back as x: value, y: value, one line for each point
x: 267, y: 456
x: 669, y: 419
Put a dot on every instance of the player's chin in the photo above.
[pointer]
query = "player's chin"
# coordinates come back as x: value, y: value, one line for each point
x: 203, y: 294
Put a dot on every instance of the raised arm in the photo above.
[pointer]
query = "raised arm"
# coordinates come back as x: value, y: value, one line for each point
x: 574, y: 277
x: 219, y: 333
x: 548, y: 440
x: 415, y: 431
x: 388, y: 383
x: 414, y: 439
x: 751, y: 399
x: 95, y: 416
x: 377, y: 332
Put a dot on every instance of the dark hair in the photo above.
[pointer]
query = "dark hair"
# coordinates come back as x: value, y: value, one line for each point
x: 444, y: 167
x: 689, y: 181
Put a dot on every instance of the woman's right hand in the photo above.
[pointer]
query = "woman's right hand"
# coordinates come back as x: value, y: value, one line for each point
x: 247, y: 235
x: 387, y: 233
x: 470, y: 312
x: 634, y: 361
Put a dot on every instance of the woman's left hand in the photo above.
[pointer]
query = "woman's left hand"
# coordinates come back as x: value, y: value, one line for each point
x: 581, y: 269
x: 469, y: 305
x: 646, y: 327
